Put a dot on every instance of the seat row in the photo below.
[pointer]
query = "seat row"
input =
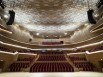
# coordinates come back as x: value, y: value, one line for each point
x: 56, y: 52
x: 72, y: 58
x: 30, y: 59
x: 86, y: 66
x: 51, y: 67
x: 16, y: 67
x: 6, y: 49
x: 52, y: 43
x: 96, y: 49
x: 52, y: 58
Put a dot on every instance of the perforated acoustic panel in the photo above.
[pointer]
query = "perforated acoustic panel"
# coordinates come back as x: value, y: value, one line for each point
x: 51, y: 16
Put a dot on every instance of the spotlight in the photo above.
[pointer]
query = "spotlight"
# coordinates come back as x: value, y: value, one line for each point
x: 90, y: 16
x: 96, y: 15
x: 65, y: 33
x: 2, y: 4
x: 12, y: 17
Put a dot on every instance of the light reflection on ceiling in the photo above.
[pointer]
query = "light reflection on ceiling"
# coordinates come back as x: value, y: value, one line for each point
x: 50, y: 16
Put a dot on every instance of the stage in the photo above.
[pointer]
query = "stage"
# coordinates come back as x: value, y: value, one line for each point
x: 67, y: 74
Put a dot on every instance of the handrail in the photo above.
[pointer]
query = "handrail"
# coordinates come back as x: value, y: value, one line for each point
x: 11, y: 41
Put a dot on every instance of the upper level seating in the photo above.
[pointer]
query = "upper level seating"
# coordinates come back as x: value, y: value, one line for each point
x: 20, y: 51
x: 91, y: 50
x: 96, y: 49
x: 5, y: 49
x: 52, y: 58
x: 72, y: 58
x: 27, y: 51
x: 52, y: 52
x: 51, y: 43
x: 51, y: 67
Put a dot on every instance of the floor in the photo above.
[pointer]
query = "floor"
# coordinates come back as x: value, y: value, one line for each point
x: 69, y: 74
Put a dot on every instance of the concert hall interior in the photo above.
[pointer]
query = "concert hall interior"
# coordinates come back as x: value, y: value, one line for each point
x: 51, y: 38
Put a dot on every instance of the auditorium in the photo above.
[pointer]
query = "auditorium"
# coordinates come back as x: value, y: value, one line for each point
x: 51, y: 38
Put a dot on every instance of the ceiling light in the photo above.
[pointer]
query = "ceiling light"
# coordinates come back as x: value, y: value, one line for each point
x: 86, y: 24
x: 37, y: 34
x: 6, y: 16
x: 1, y: 60
x: 96, y: 15
x: 65, y: 33
x: 87, y: 52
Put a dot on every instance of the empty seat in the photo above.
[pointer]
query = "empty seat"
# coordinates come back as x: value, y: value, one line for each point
x: 16, y: 67
x: 51, y: 67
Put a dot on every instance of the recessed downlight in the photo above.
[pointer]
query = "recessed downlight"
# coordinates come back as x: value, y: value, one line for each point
x: 65, y: 33
x: 37, y: 34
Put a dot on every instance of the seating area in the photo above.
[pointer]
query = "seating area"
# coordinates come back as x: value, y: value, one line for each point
x: 56, y: 52
x: 52, y: 43
x: 5, y: 49
x: 51, y: 62
x: 99, y: 48
x: 52, y: 58
x: 23, y: 61
x: 2, y: 48
x: 86, y: 66
x: 77, y: 58
x: 55, y: 60
x: 51, y: 38
x: 17, y: 67
x: 51, y: 67
x: 27, y: 51
x: 30, y: 59
x: 50, y: 52
x: 82, y: 64
x: 96, y: 49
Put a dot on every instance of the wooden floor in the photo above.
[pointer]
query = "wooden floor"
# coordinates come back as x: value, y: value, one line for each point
x: 73, y: 74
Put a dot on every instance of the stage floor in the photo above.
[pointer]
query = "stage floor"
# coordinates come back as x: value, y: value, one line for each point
x: 68, y: 74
